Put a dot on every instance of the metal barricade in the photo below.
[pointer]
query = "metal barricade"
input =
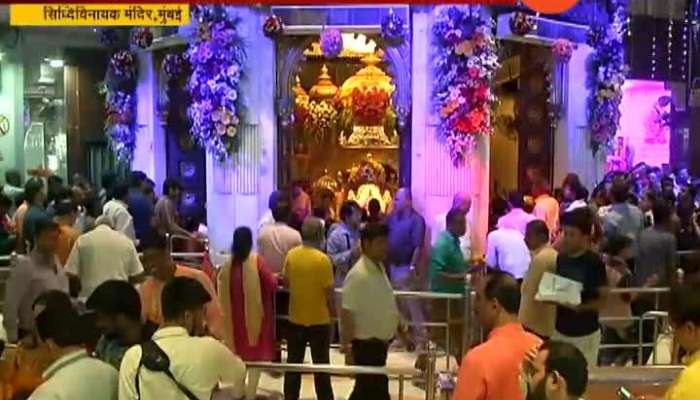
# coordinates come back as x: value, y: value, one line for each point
x: 399, y: 374
x: 187, y: 257
x: 427, y: 297
x: 639, y: 320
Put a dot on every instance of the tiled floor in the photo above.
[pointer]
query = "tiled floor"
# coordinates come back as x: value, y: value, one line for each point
x: 271, y: 388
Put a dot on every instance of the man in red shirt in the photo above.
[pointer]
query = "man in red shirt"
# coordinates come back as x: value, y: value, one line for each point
x: 491, y: 371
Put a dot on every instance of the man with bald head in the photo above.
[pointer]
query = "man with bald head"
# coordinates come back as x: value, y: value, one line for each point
x: 406, y: 237
x: 462, y: 201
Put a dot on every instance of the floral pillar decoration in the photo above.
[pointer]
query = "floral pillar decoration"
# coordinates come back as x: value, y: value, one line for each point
x: 606, y: 75
x: 119, y: 89
x: 562, y: 50
x: 465, y: 65
x: 216, y: 56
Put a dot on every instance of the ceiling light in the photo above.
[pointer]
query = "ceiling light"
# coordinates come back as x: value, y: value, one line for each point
x: 56, y: 63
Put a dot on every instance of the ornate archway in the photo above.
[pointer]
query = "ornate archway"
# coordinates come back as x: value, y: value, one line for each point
x: 397, y: 58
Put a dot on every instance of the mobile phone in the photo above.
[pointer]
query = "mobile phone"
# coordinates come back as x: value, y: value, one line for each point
x: 624, y: 394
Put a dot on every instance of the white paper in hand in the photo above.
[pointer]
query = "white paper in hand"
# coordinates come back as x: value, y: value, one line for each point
x: 558, y: 289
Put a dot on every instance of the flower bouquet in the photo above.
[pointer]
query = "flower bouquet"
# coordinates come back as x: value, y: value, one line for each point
x: 522, y: 23
x: 216, y: 55
x: 142, y: 37
x: 465, y: 65
x: 175, y: 65
x: 331, y: 42
x: 273, y: 26
x: 321, y: 118
x: 393, y: 28
x: 369, y: 106
x: 562, y: 50
x: 606, y: 75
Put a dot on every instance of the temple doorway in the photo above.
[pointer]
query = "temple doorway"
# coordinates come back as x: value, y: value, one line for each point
x: 523, y: 137
x: 343, y: 137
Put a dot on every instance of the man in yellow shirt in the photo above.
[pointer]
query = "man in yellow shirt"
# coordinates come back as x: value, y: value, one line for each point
x: 684, y: 313
x: 308, y: 273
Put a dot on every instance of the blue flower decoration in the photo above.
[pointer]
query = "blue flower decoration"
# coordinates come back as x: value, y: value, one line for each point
x: 393, y: 28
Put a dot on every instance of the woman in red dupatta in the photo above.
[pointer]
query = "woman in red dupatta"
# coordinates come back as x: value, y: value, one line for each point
x: 246, y: 291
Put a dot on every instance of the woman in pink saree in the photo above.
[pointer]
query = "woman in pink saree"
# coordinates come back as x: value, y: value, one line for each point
x: 246, y: 291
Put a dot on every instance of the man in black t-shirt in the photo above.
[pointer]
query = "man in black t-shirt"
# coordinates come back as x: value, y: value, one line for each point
x: 579, y: 325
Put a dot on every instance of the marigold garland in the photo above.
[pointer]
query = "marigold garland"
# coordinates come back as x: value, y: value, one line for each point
x: 465, y: 65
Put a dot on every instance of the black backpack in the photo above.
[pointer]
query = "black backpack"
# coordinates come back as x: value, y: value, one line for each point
x: 155, y: 359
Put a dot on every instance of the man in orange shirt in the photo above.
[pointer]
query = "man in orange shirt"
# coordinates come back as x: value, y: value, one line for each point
x: 491, y: 371
x: 66, y: 213
x: 161, y: 268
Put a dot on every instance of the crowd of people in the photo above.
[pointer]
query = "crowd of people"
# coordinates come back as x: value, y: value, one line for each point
x: 83, y: 305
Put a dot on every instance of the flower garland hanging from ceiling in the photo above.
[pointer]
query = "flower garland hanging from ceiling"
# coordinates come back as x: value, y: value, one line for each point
x: 119, y: 89
x: 606, y: 75
x: 216, y: 56
x: 465, y: 65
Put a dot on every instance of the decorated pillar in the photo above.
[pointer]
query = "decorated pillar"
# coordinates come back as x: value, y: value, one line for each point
x: 150, y: 150
x: 238, y: 188
x: 446, y: 159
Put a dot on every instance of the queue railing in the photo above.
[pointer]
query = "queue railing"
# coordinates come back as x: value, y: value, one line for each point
x: 654, y: 315
x: 393, y: 373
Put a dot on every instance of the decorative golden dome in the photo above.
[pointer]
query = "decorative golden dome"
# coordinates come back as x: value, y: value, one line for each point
x: 368, y: 77
x: 324, y: 87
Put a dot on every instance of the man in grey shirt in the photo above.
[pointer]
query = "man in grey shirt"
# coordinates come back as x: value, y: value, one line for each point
x: 656, y: 257
x: 406, y: 239
x: 622, y: 218
x: 33, y: 275
x: 343, y: 246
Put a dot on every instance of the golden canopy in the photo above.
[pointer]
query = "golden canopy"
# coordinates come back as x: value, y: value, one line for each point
x: 368, y: 77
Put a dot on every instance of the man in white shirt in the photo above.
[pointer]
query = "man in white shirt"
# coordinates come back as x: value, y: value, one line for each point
x: 199, y: 364
x: 118, y: 211
x: 73, y: 375
x: 516, y: 218
x: 463, y: 202
x: 370, y: 316
x: 101, y: 255
x: 275, y: 240
x: 506, y: 250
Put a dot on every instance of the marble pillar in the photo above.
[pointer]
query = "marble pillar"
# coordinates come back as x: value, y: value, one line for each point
x: 237, y: 191
x: 150, y: 152
x: 572, y: 145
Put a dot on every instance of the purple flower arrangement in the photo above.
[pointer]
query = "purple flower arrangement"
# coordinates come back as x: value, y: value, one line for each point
x: 606, y: 75
x: 465, y: 64
x: 331, y: 41
x: 175, y: 65
x: 109, y: 37
x: 142, y: 37
x: 273, y: 26
x: 562, y: 50
x: 119, y: 89
x: 216, y: 55
x: 393, y: 28
x: 521, y: 23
